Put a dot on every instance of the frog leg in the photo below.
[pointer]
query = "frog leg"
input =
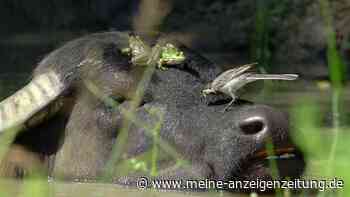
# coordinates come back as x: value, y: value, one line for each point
x: 154, y: 57
x: 140, y: 59
x: 126, y: 51
x: 139, y: 51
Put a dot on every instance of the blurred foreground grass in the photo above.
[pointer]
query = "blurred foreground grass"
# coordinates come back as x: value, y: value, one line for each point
x: 326, y: 149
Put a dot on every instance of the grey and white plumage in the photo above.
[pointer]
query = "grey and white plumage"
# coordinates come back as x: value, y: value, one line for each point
x: 232, y: 80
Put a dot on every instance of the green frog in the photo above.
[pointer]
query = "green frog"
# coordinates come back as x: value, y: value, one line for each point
x: 161, y: 54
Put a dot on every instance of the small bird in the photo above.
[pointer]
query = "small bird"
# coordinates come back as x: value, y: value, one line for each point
x: 232, y: 80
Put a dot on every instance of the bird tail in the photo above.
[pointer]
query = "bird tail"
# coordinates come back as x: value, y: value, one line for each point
x: 273, y: 76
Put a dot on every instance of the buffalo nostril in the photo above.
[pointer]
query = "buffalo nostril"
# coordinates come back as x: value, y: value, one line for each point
x: 253, y: 125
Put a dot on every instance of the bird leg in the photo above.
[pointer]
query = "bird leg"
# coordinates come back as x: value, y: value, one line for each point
x: 230, y: 103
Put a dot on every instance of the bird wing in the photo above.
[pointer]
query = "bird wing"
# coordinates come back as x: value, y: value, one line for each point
x: 228, y: 75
